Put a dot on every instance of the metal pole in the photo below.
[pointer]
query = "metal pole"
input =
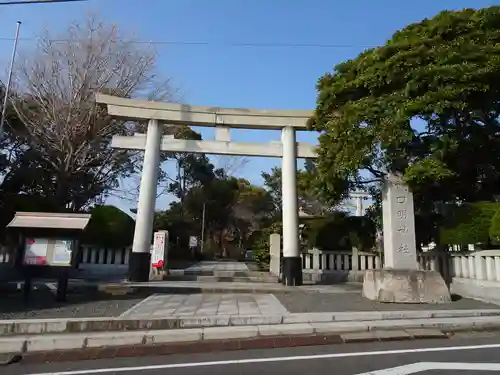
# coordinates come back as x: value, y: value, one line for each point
x: 202, y: 228
x: 7, y: 88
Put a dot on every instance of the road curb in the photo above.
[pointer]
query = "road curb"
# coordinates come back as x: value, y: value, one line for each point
x: 110, y: 344
x: 10, y: 328
x: 270, y: 342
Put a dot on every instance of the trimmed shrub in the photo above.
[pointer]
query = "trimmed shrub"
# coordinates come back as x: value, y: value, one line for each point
x: 469, y: 224
x: 262, y: 257
x: 495, y: 228
x: 260, y: 244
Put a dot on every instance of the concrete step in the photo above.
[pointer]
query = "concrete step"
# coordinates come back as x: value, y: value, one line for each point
x: 222, y: 273
x: 221, y: 276
x: 413, y: 319
x: 212, y: 278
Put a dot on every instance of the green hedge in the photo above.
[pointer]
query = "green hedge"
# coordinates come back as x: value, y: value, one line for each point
x: 471, y: 223
x: 260, y: 244
x: 340, y: 231
x: 495, y: 228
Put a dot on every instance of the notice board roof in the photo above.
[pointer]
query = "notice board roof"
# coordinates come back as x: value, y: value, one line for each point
x: 49, y: 220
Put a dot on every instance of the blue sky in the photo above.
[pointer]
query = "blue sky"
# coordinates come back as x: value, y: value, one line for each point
x: 221, y: 74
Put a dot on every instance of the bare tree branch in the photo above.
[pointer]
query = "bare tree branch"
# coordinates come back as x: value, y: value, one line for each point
x: 232, y: 165
x: 57, y: 82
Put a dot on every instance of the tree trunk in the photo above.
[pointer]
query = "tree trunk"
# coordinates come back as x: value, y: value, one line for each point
x: 61, y: 193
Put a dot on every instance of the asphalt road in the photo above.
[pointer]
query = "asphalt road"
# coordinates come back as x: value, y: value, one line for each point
x: 458, y: 357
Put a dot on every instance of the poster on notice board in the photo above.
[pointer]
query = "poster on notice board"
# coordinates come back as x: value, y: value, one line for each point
x: 36, y: 251
x: 61, y: 255
x: 48, y: 251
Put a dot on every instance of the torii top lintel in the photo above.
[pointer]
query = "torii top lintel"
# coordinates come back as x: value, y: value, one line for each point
x: 204, y: 116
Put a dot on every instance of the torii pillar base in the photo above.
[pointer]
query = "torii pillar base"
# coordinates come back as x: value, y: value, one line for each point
x: 139, y: 267
x: 292, y: 271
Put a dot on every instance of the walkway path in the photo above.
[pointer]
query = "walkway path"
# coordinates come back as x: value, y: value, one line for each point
x: 174, y: 305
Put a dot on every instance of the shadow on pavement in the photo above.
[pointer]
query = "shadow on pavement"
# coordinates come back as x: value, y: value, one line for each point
x: 81, y: 302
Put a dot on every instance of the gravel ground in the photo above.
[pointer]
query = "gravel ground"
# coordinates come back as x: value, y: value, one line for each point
x: 354, y: 301
x: 42, y: 305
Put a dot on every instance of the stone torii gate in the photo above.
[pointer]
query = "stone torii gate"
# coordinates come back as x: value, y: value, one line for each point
x: 288, y: 121
x: 359, y: 197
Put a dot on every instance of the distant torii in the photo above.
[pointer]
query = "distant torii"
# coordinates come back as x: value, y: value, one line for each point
x: 359, y: 197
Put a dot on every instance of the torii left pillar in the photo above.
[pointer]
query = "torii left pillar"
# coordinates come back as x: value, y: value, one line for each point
x: 292, y: 262
x: 140, y: 258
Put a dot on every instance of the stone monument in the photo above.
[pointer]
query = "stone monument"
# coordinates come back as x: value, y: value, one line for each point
x: 275, y: 254
x: 400, y: 280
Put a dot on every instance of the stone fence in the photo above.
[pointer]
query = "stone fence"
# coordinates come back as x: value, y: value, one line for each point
x: 316, y: 259
x: 337, y: 266
x: 477, y: 274
x: 469, y: 274
x: 480, y: 265
x: 95, y: 263
x: 98, y: 262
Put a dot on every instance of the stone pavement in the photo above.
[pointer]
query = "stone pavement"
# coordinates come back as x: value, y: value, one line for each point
x: 354, y: 301
x: 174, y: 305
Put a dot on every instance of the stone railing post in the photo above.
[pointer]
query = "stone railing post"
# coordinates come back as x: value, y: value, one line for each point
x: 355, y: 259
x: 490, y: 268
x: 496, y: 261
x: 479, y: 264
x: 456, y: 266
x: 315, y: 258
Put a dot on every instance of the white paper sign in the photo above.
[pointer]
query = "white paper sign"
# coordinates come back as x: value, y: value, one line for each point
x: 62, y: 252
x: 193, y: 241
x: 160, y: 244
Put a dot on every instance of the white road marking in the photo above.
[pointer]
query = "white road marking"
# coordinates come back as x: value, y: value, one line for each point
x: 428, y: 366
x: 272, y: 359
x: 131, y: 311
x: 137, y: 305
x: 51, y: 286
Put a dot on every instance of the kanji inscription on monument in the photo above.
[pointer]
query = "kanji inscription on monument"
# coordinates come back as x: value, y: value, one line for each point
x: 399, y: 225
